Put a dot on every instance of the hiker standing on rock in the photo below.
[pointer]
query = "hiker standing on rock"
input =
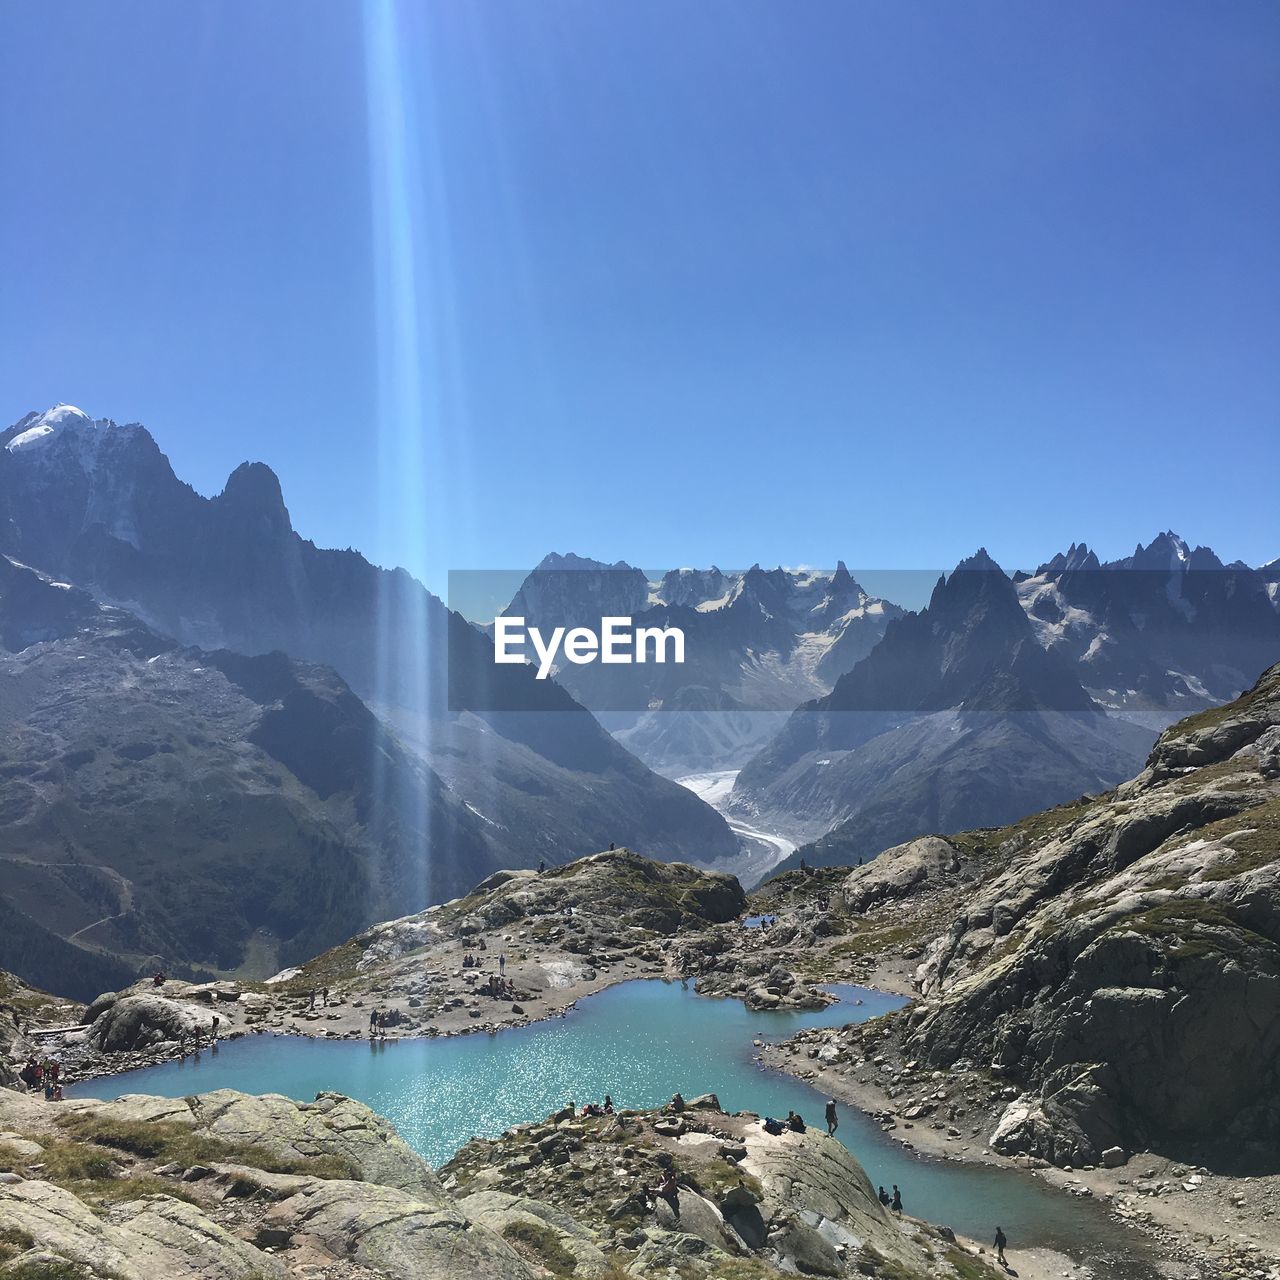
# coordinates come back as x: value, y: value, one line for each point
x: 832, y: 1123
x: 1000, y: 1242
x: 896, y: 1203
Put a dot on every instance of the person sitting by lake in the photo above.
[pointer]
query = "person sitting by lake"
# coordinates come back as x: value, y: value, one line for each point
x: 770, y: 1125
x: 608, y: 1105
x: 676, y: 1105
x: 795, y: 1123
x: 667, y: 1190
x: 31, y: 1074
x: 593, y: 1109
x: 883, y: 1196
x: 158, y: 979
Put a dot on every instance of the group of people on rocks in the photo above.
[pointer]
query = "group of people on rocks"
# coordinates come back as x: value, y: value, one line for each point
x: 499, y: 988
x: 570, y: 1110
x: 191, y: 1042
x: 381, y: 1019
x: 893, y: 1202
x: 794, y: 1123
x: 44, y: 1075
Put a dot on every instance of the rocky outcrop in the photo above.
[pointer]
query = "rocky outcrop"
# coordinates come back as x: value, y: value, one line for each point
x: 541, y: 1224
x: 140, y: 1021
x: 268, y: 1209
x: 154, y: 1238
x: 597, y: 904
x: 748, y: 1202
x: 899, y: 872
x: 1121, y: 960
x: 395, y: 1235
x: 223, y: 1186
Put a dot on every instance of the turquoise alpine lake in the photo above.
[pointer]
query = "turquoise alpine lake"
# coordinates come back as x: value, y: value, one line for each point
x: 640, y: 1042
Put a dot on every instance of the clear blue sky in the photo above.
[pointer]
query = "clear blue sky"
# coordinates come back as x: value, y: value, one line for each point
x: 680, y: 283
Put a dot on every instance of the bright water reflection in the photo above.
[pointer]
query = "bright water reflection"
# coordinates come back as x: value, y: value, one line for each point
x: 639, y: 1041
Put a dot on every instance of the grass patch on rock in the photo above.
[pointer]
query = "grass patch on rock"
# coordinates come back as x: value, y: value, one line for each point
x: 533, y: 1238
x: 45, y: 1270
x: 13, y: 1242
x: 1193, y: 927
x: 1254, y: 838
x: 167, y: 1141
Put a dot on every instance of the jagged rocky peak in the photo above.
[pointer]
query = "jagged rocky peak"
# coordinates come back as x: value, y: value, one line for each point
x: 979, y: 562
x: 553, y: 560
x: 842, y: 579
x: 975, y: 579
x: 694, y: 587
x: 1167, y: 552
x: 1076, y: 557
x: 573, y: 590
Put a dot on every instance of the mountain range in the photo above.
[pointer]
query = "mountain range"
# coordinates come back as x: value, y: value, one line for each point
x: 353, y: 767
x: 757, y: 643
x: 226, y: 748
x: 1010, y: 693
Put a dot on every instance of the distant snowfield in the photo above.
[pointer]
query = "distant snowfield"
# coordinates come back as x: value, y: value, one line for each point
x: 759, y: 851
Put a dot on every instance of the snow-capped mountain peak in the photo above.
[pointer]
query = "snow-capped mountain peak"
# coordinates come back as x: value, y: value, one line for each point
x: 39, y: 429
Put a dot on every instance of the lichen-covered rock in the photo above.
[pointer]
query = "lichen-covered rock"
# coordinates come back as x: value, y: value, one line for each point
x: 747, y: 1202
x: 332, y: 1125
x: 157, y: 1238
x: 1140, y: 931
x: 395, y: 1235
x: 506, y: 1214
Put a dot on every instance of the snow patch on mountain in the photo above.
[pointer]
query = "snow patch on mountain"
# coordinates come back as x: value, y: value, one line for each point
x: 46, y: 426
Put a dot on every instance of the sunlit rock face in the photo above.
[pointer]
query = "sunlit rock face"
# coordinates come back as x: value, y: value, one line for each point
x: 1123, y: 962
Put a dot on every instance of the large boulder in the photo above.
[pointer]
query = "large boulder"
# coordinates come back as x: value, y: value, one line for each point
x: 816, y: 1202
x: 140, y: 1021
x: 899, y: 871
x: 1073, y: 1120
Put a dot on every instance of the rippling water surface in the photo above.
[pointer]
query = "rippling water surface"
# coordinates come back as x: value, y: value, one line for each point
x: 641, y: 1042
